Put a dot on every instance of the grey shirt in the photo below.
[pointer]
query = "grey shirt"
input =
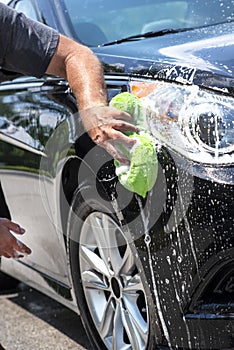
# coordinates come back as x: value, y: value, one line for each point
x: 26, y: 46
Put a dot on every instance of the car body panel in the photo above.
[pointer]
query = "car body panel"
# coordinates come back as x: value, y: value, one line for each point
x: 189, y: 261
x: 33, y: 116
x: 176, y: 55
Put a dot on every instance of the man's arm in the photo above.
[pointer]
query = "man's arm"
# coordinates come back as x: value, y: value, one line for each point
x: 81, y: 68
x: 31, y: 48
x: 78, y: 64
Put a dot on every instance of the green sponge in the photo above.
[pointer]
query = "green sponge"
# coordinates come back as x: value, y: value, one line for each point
x: 140, y: 176
x: 127, y: 102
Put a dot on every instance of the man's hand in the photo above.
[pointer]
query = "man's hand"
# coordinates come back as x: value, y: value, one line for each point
x: 10, y: 247
x: 105, y: 125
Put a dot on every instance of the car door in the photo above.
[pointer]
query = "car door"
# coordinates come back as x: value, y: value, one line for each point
x: 34, y: 135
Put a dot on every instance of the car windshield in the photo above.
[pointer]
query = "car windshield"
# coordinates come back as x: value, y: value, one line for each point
x: 100, y: 21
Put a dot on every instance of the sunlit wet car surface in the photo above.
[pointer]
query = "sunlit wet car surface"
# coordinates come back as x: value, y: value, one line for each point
x: 144, y: 273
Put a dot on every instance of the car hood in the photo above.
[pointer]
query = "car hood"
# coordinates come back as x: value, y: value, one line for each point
x: 203, y: 56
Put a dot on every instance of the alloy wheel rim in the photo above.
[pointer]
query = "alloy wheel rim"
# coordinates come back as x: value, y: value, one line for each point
x: 112, y: 284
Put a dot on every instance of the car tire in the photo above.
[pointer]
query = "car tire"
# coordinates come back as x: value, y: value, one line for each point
x: 115, y: 303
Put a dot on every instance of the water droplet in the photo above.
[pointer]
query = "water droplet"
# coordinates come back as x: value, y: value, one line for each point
x: 147, y: 239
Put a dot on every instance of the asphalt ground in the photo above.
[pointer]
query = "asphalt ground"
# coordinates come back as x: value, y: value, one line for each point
x: 30, y: 320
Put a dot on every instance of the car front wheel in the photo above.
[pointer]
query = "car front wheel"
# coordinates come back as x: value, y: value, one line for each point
x: 112, y: 293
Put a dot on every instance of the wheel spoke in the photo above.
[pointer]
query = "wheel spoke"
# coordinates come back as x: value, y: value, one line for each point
x: 133, y: 319
x: 97, y: 228
x: 106, y: 325
x: 119, y: 252
x: 127, y: 264
x: 117, y: 340
x: 93, y: 261
x: 135, y: 328
x: 103, y: 232
x: 113, y: 245
x: 134, y: 312
x: 92, y: 280
x: 133, y: 284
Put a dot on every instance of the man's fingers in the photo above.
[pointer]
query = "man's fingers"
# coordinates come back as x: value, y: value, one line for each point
x: 113, y: 146
x: 10, y: 246
x: 21, y: 247
x: 113, y: 133
x: 112, y: 141
x: 6, y: 255
x: 17, y: 254
x: 118, y: 114
x: 14, y: 227
x: 123, y: 126
x: 14, y: 249
x: 115, y: 152
x: 117, y: 137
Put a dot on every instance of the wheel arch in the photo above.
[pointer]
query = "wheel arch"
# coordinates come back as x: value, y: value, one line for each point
x: 89, y: 162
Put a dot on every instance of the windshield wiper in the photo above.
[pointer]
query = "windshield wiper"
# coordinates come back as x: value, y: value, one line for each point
x: 147, y: 35
x: 158, y: 33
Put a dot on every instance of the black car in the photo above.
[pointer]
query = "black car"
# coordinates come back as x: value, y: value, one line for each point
x: 144, y: 273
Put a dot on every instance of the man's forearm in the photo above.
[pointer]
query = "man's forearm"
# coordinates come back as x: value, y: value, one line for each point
x: 81, y: 68
x: 83, y: 71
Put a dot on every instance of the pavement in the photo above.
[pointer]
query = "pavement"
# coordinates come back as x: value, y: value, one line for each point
x: 30, y: 320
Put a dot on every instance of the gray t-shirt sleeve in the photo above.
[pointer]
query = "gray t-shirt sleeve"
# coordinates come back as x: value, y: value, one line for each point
x: 26, y: 46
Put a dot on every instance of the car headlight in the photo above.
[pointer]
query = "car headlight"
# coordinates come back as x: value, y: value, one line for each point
x: 196, y: 123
